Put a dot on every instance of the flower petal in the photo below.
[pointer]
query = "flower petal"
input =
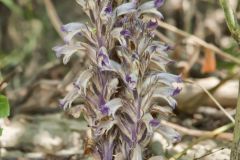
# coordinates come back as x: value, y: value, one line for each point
x: 171, y: 101
x: 154, y: 122
x: 83, y: 80
x: 125, y: 33
x: 114, y: 105
x: 106, y: 13
x: 104, y: 127
x: 75, y: 28
x: 125, y: 8
x: 158, y: 3
x: 166, y: 78
x: 170, y: 134
x: 111, y: 87
x: 67, y: 51
x: 150, y: 5
x: 131, y: 80
x: 167, y: 91
x: 70, y: 27
x: 67, y: 101
x: 102, y: 58
x: 149, y: 8
x: 152, y: 25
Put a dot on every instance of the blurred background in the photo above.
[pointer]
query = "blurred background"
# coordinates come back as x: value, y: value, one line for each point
x: 34, y: 80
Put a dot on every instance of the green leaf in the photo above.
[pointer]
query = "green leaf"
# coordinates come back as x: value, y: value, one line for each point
x: 4, y: 107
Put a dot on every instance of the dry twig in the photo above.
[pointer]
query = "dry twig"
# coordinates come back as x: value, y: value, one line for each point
x: 55, y: 20
x: 209, y: 153
x: 199, y: 41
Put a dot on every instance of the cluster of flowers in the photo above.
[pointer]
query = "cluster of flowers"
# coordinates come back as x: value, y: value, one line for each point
x: 122, y: 87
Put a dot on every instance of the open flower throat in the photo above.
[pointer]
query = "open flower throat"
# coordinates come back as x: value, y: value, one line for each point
x: 126, y: 79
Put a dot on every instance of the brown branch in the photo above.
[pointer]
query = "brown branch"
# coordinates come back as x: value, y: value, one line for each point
x: 54, y: 18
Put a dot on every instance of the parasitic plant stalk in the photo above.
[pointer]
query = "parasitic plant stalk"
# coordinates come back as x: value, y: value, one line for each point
x: 126, y: 80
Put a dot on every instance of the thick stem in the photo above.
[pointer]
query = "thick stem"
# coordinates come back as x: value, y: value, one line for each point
x: 235, y: 154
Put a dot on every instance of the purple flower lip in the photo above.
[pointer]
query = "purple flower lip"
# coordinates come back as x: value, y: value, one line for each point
x: 57, y: 50
x: 129, y: 79
x: 176, y: 91
x: 152, y: 25
x: 168, y: 47
x: 126, y: 33
x: 105, y: 60
x: 177, y: 138
x: 108, y: 9
x: 135, y: 56
x: 62, y: 103
x: 131, y: 82
x: 63, y: 29
x: 154, y: 122
x: 158, y: 3
x: 104, y: 109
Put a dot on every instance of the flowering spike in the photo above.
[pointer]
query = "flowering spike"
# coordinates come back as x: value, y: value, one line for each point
x: 126, y: 78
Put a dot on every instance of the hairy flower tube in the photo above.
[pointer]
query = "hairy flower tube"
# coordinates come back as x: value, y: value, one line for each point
x: 126, y: 79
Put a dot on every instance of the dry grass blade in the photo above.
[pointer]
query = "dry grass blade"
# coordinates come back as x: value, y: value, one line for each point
x: 213, y: 99
x: 209, y: 153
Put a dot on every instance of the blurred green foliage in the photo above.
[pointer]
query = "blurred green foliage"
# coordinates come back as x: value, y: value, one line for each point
x: 4, y: 108
x: 26, y: 32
